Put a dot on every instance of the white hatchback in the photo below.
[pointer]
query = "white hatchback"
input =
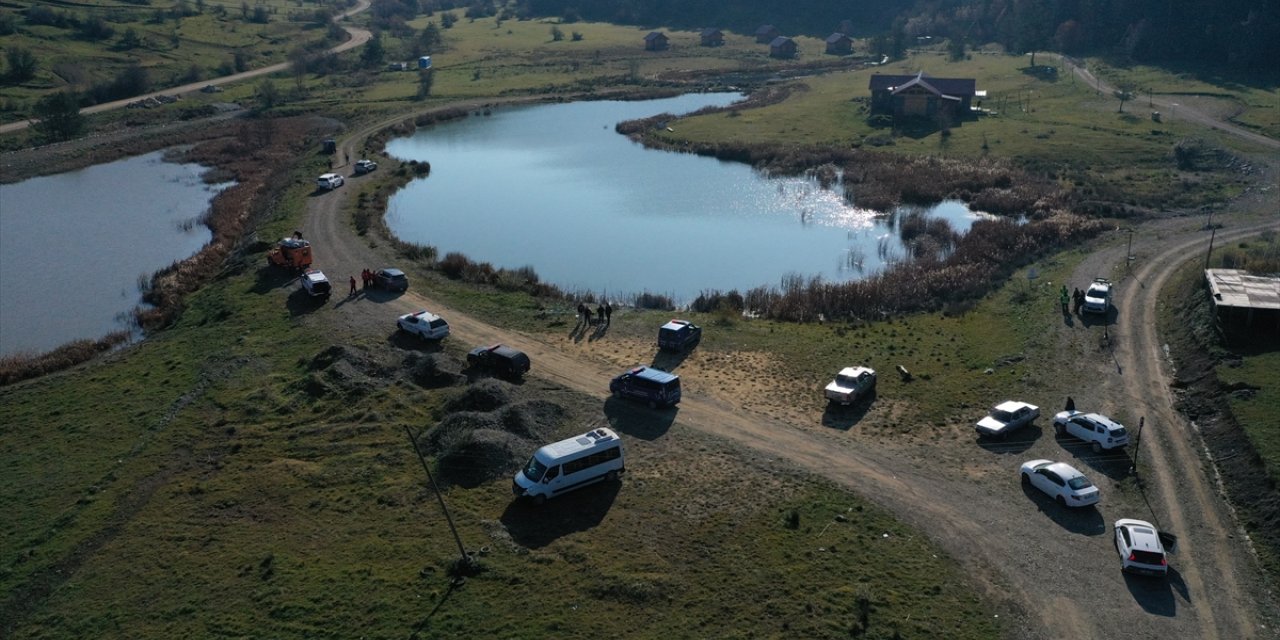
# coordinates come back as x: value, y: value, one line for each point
x: 329, y: 181
x: 1060, y: 481
x: 1140, y: 548
x: 425, y: 324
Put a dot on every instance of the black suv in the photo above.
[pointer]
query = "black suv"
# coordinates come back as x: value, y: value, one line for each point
x: 499, y: 359
x: 679, y: 335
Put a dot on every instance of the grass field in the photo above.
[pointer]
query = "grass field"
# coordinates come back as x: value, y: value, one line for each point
x: 227, y: 478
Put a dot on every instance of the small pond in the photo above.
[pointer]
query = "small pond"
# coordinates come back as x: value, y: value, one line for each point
x: 74, y: 246
x: 555, y: 188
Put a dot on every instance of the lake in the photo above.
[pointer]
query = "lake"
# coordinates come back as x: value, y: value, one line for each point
x: 74, y: 246
x: 555, y: 188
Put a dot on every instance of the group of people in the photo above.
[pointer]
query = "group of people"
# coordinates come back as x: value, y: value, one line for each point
x: 1077, y: 299
x: 603, y: 313
x: 366, y: 277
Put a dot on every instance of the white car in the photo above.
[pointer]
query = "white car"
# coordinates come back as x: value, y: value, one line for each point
x: 1060, y: 481
x: 1098, y: 430
x: 425, y: 324
x: 1097, y: 299
x: 365, y: 166
x: 329, y: 181
x: 316, y: 284
x: 851, y: 384
x: 1007, y: 417
x: 1140, y: 549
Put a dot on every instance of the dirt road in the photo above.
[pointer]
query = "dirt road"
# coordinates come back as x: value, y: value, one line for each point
x: 1054, y: 574
x: 358, y: 36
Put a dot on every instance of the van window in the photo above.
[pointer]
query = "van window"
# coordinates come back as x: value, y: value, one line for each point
x: 553, y: 473
x: 597, y: 458
x: 534, y: 470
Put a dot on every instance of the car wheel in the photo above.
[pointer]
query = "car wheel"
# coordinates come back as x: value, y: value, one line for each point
x: 1061, y: 502
x: 1026, y: 479
x: 1097, y: 447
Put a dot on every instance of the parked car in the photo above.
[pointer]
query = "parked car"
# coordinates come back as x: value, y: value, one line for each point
x: 425, y: 324
x: 1098, y: 430
x: 1060, y: 481
x: 390, y: 280
x: 851, y: 385
x: 500, y: 359
x: 653, y: 386
x: 329, y: 181
x: 316, y: 284
x: 679, y: 335
x: 1140, y: 547
x: 365, y: 166
x: 564, y: 466
x: 1097, y: 299
x: 1006, y: 418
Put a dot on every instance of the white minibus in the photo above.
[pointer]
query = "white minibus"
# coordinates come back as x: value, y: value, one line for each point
x: 569, y: 464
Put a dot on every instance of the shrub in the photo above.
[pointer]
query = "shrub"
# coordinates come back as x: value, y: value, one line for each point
x: 454, y: 264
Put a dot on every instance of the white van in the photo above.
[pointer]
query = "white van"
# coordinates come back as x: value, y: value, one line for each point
x: 569, y: 464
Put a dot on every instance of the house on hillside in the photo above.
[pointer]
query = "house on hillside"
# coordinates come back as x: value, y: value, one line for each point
x: 766, y: 33
x: 921, y: 95
x: 655, y: 41
x: 838, y: 44
x: 712, y: 37
x: 783, y: 47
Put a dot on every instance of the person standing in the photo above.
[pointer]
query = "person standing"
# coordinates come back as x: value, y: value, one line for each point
x: 600, y: 314
x: 353, y: 287
x: 608, y: 313
x: 1062, y: 295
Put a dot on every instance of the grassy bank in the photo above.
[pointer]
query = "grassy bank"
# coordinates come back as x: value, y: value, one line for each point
x: 1230, y: 388
x: 237, y: 475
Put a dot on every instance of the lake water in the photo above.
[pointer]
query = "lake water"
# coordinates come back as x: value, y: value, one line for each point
x: 73, y: 246
x: 554, y: 187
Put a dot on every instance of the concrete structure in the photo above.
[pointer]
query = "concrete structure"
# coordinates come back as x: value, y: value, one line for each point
x: 1245, y: 304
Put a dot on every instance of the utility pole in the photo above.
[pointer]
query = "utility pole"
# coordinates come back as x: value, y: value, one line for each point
x: 1137, y: 441
x: 466, y: 560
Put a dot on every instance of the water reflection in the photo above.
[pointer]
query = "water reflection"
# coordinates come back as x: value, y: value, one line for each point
x: 556, y: 188
x: 74, y: 246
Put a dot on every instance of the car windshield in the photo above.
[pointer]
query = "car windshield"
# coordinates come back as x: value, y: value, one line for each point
x: 1096, y: 292
x: 1002, y: 416
x: 533, y: 470
x: 1116, y: 433
x: 437, y: 323
x: 846, y: 381
x: 1148, y: 557
x: 1079, y: 482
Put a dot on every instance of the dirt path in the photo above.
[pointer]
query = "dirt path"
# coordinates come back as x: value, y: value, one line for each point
x: 1174, y: 109
x: 358, y: 37
x: 1010, y: 546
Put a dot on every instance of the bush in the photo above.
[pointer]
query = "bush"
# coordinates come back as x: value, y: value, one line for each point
x: 454, y: 264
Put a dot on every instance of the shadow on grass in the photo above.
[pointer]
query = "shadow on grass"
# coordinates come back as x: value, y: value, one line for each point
x: 1016, y: 442
x: 1096, y: 320
x: 271, y: 278
x: 844, y: 417
x: 425, y: 623
x: 413, y: 342
x: 300, y: 302
x: 636, y: 420
x: 1041, y: 72
x: 1086, y: 521
x: 669, y: 360
x: 1154, y: 594
x: 1113, y: 463
x: 535, y: 526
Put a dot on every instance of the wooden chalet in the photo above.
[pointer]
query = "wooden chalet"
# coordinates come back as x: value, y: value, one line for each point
x: 712, y: 37
x: 655, y: 41
x: 839, y: 44
x: 783, y: 47
x: 766, y: 33
x: 921, y: 95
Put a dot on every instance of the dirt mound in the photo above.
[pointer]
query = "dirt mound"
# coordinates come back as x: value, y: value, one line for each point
x: 484, y: 395
x: 533, y: 420
x: 478, y: 456
x: 430, y: 370
x: 344, y: 371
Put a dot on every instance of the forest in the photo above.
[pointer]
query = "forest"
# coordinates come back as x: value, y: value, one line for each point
x: 1242, y: 34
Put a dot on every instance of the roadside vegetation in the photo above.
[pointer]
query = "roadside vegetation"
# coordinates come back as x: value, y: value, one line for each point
x: 1230, y: 385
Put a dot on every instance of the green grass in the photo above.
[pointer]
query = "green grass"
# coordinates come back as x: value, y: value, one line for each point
x: 191, y: 486
x: 1258, y: 413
